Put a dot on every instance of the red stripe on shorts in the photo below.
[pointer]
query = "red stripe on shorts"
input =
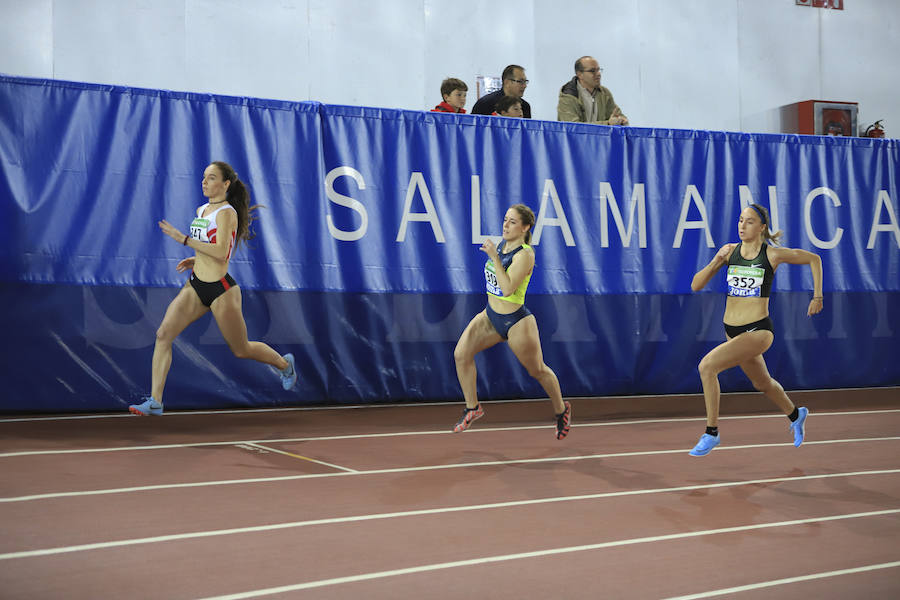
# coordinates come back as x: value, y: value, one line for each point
x: 225, y: 284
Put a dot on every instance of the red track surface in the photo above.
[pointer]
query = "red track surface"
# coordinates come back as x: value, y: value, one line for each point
x: 384, y: 502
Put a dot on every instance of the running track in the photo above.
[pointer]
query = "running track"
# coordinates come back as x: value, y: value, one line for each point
x: 384, y: 502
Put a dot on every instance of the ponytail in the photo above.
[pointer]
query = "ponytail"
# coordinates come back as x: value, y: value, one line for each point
x: 238, y: 196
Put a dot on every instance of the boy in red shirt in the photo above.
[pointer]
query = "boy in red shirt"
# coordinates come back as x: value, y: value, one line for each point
x: 453, y: 91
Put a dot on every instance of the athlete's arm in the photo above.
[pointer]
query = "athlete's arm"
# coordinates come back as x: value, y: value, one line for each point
x: 226, y: 223
x: 702, y: 277
x: 797, y: 256
x: 522, y: 264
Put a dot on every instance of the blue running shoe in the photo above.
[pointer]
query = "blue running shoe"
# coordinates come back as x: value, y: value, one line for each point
x: 289, y: 375
x: 798, y: 426
x: 705, y: 445
x: 146, y: 408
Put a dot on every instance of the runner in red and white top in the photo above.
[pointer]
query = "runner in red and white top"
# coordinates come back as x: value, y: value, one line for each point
x: 220, y: 223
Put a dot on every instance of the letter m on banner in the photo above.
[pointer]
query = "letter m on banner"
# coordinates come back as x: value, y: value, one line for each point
x: 638, y: 201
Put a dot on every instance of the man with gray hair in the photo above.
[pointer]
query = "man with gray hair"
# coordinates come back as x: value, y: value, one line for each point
x: 584, y: 100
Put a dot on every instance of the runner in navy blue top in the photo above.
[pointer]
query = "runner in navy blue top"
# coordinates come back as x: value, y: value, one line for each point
x: 505, y: 318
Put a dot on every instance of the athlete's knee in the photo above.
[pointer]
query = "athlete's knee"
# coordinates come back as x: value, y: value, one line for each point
x: 164, y: 336
x: 461, y: 355
x: 707, y: 368
x: 538, y: 370
x: 240, y: 350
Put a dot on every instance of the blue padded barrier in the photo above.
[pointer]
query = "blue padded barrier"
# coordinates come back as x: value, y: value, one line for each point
x: 366, y: 264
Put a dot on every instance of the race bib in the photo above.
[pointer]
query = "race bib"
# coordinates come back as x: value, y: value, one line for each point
x: 490, y: 279
x: 745, y: 281
x: 198, y: 227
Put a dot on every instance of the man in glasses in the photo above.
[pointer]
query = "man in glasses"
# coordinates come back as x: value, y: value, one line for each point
x: 514, y: 84
x: 584, y: 100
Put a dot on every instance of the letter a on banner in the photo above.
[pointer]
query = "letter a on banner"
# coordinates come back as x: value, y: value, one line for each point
x: 558, y: 221
x: 691, y: 194
x: 877, y: 226
x: 417, y: 181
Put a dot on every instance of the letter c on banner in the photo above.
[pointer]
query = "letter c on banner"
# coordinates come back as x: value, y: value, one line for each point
x: 340, y: 234
x: 821, y: 191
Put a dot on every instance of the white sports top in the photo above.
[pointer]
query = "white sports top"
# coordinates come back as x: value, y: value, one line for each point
x: 204, y: 228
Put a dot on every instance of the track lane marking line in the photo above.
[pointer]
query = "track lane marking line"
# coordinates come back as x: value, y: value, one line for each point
x: 492, y: 463
x: 431, y: 511
x: 361, y: 436
x: 536, y: 554
x: 292, y: 455
x: 786, y: 580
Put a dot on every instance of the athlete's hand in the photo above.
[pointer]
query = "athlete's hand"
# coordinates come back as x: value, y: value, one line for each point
x: 170, y: 231
x: 490, y: 248
x: 722, y: 255
x: 184, y: 265
x: 815, y: 306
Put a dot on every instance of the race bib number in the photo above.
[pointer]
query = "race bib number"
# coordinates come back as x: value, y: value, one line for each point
x: 745, y: 281
x: 198, y: 226
x: 490, y: 279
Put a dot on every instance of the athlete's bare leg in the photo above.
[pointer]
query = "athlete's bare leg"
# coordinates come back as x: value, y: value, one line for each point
x: 525, y: 343
x: 734, y: 352
x: 226, y: 310
x: 182, y: 311
x: 758, y: 373
x: 478, y: 335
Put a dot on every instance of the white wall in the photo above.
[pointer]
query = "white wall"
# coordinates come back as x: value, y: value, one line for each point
x: 698, y: 64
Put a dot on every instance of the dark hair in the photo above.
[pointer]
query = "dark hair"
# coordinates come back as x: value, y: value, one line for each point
x: 578, y: 66
x: 449, y: 85
x: 527, y: 216
x: 238, y: 197
x: 508, y: 71
x: 505, y: 103
x: 773, y: 238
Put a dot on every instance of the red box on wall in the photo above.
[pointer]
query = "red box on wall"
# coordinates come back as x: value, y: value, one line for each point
x: 820, y: 117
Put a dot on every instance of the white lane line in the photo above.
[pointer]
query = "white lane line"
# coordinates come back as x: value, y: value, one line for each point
x: 226, y: 411
x: 361, y: 436
x: 774, y: 582
x: 421, y: 512
x: 301, y: 457
x: 491, y: 463
x: 536, y: 554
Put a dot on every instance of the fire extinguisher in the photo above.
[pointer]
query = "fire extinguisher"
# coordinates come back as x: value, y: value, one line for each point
x: 875, y: 130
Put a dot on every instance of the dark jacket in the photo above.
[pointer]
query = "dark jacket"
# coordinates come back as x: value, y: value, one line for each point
x: 485, y: 104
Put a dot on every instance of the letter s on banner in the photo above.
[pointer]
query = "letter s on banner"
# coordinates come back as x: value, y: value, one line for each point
x: 340, y: 234
x: 821, y: 191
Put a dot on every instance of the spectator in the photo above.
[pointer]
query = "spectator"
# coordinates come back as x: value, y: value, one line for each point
x: 507, y: 106
x: 453, y: 91
x: 584, y: 100
x: 514, y: 84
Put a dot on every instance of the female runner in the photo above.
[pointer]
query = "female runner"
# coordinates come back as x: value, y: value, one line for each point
x: 507, y: 273
x: 220, y: 224
x: 751, y: 268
